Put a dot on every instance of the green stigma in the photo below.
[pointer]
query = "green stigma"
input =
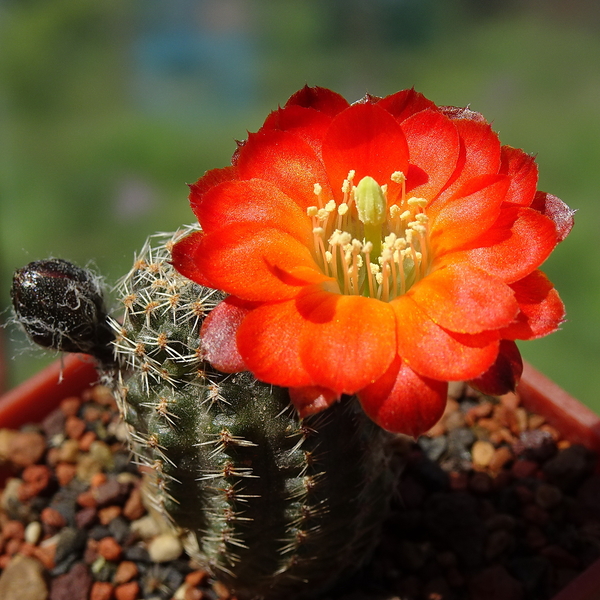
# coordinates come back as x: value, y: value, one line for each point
x: 372, y: 207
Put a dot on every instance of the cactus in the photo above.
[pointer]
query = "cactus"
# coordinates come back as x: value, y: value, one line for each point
x: 273, y: 505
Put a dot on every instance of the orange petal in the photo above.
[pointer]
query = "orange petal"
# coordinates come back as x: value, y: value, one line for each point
x: 541, y: 309
x: 437, y: 353
x: 434, y: 147
x: 480, y: 154
x: 465, y: 299
x: 307, y: 123
x: 347, y: 341
x: 318, y: 98
x: 523, y: 173
x: 218, y: 335
x: 556, y: 210
x: 518, y: 243
x: 285, y: 160
x: 502, y: 377
x: 269, y: 342
x: 405, y: 103
x: 403, y: 401
x: 471, y: 213
x: 209, y: 180
x: 182, y: 257
x: 252, y: 201
x: 311, y: 400
x: 255, y: 262
x: 367, y: 139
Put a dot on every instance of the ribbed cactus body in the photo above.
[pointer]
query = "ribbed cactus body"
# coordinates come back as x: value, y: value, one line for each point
x: 274, y: 505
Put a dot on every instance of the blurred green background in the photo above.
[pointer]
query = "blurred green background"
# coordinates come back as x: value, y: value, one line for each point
x: 108, y: 108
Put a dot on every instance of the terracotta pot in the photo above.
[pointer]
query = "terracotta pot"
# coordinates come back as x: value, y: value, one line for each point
x: 37, y: 397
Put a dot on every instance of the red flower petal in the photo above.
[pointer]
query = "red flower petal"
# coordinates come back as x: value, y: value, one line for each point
x: 269, y: 342
x: 209, y: 180
x: 319, y: 341
x: 480, y: 155
x: 255, y: 262
x: 183, y: 258
x: 405, y: 103
x: 311, y: 400
x: 541, y: 309
x: 502, y: 377
x: 252, y: 201
x: 403, y: 401
x: 321, y: 99
x: 434, y: 352
x: 285, y: 160
x: 518, y: 243
x: 367, y: 139
x: 434, y: 148
x: 471, y: 213
x: 554, y: 208
x: 464, y: 299
x: 306, y: 123
x: 523, y: 173
x: 218, y: 334
x: 342, y: 351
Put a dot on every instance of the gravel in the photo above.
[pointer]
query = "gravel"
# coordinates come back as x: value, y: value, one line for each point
x: 493, y: 505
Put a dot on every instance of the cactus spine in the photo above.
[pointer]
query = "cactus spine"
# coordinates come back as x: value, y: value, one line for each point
x: 274, y: 505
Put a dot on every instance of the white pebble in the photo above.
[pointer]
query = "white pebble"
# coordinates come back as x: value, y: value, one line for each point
x: 165, y: 547
x: 33, y: 532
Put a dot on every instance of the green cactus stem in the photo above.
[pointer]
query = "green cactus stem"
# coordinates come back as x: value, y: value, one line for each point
x: 274, y: 505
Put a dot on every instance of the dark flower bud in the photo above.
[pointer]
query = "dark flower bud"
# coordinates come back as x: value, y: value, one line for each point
x: 60, y: 306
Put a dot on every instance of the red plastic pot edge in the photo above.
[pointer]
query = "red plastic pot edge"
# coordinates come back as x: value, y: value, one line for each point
x: 37, y: 397
x: 33, y: 400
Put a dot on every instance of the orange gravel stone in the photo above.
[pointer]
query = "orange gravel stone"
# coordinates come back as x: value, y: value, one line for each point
x: 109, y: 548
x: 70, y: 406
x: 134, y: 508
x: 107, y: 514
x: 86, y: 441
x: 127, y: 591
x: 101, y: 590
x: 97, y: 480
x: 126, y: 571
x: 13, y: 529
x: 35, y: 479
x: 65, y: 472
x: 53, y: 518
x: 501, y: 456
x: 196, y: 578
x: 74, y: 427
x: 86, y: 500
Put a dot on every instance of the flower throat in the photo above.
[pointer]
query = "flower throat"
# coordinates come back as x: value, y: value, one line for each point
x: 370, y: 248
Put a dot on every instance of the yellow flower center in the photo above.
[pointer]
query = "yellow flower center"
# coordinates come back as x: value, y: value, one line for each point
x: 372, y: 249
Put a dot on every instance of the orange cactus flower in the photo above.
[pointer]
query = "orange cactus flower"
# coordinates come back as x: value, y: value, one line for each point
x: 381, y: 249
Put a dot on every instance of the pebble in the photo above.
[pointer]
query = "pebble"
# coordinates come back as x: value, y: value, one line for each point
x: 127, y: 591
x: 110, y: 492
x: 70, y: 543
x: 70, y: 406
x: 74, y: 427
x: 35, y: 480
x: 52, y: 518
x: 126, y: 571
x: 108, y: 513
x: 65, y: 472
x: 74, y: 585
x: 86, y: 441
x: 23, y: 579
x: 495, y: 583
x: 109, y: 548
x: 548, y: 496
x: 69, y: 452
x: 33, y: 532
x: 482, y: 453
x: 134, y: 508
x: 101, y: 590
x: 502, y: 455
x: 165, y: 547
x: 569, y: 467
x: 146, y: 527
x: 26, y: 448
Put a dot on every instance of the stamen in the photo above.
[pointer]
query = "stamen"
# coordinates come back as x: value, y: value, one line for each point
x: 371, y: 248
